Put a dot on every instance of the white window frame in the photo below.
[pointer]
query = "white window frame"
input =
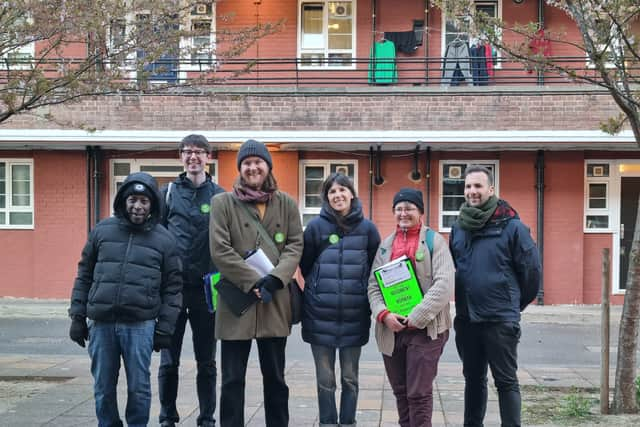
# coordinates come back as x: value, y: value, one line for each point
x: 9, y: 208
x: 135, y: 165
x: 27, y: 50
x: 187, y: 43
x: 304, y: 210
x: 614, y: 48
x: 443, y: 47
x: 326, y: 65
x: 608, y: 210
x: 442, y: 212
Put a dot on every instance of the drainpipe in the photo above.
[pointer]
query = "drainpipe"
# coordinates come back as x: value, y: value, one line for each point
x: 373, y: 22
x: 371, y: 183
x: 540, y: 26
x: 425, y: 41
x: 540, y: 218
x: 427, y: 179
x: 378, y: 179
x: 96, y: 183
x: 89, y: 152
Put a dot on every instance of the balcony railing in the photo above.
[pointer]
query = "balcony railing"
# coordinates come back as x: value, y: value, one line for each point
x: 293, y: 72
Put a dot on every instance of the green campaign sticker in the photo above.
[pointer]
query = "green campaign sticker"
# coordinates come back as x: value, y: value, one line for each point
x: 205, y: 208
x: 419, y: 255
x: 333, y: 239
x: 279, y: 237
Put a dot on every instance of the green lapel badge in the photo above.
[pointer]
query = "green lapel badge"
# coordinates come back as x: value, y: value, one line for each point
x: 419, y: 255
x: 205, y: 208
x: 334, y: 238
x: 279, y: 237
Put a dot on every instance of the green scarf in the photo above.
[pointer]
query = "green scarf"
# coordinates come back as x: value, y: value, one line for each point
x: 474, y: 218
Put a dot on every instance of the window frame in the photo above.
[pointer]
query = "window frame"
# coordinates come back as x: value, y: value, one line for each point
x: 187, y: 43
x: 443, y: 48
x: 135, y: 165
x: 326, y: 64
x: 9, y: 208
x: 608, y: 210
x: 27, y: 49
x: 326, y: 163
x: 441, y: 212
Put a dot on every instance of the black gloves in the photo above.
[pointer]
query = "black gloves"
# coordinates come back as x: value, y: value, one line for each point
x: 161, y: 341
x: 267, y: 286
x: 79, y: 332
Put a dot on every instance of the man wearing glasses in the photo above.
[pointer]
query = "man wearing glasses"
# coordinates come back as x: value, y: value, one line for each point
x: 187, y: 210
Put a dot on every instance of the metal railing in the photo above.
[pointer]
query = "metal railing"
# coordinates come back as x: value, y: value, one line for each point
x: 295, y: 72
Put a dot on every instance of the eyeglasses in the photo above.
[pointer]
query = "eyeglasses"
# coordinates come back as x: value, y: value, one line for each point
x: 403, y: 210
x: 188, y: 153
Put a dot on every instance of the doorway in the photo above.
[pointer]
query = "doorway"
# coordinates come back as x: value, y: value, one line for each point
x: 629, y: 193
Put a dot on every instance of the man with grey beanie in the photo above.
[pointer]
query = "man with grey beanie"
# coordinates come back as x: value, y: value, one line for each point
x: 255, y: 216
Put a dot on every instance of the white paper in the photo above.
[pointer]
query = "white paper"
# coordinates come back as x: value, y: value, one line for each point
x: 260, y: 262
x: 395, y: 273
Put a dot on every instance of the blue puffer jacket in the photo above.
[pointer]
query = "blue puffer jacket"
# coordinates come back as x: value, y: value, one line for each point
x: 497, y: 268
x: 336, y: 308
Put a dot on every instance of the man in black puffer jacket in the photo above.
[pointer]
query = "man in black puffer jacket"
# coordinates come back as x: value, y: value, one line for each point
x: 129, y: 285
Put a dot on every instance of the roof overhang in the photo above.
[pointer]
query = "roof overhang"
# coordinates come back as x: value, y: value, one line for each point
x: 321, y: 140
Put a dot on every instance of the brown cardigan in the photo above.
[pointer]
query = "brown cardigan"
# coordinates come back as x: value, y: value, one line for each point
x: 432, y: 314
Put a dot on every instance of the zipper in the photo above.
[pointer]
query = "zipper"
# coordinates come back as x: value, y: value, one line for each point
x: 124, y: 264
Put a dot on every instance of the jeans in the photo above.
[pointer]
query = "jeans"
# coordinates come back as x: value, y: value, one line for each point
x: 235, y: 355
x: 492, y: 344
x: 325, y: 360
x: 411, y: 370
x: 204, y: 346
x: 108, y: 342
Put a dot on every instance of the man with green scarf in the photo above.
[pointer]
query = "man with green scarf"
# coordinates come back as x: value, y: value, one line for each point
x: 497, y: 275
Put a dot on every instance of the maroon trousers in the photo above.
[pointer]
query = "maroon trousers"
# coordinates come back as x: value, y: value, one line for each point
x: 411, y: 370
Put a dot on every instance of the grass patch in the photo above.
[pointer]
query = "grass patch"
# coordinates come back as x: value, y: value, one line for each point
x: 558, y: 405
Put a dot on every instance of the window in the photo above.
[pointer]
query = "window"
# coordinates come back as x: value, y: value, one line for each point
x: 327, y: 33
x: 313, y: 174
x: 451, y: 33
x: 163, y: 170
x: 611, y: 48
x: 200, y: 46
x: 452, y: 188
x: 16, y: 194
x: 19, y: 57
x: 596, y: 200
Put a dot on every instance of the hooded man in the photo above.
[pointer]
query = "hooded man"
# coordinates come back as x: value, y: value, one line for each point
x: 129, y: 286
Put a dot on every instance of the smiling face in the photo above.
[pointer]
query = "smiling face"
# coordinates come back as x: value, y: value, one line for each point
x: 477, y: 189
x: 138, y: 208
x: 194, y: 159
x: 407, y: 214
x: 254, y: 171
x: 340, y: 198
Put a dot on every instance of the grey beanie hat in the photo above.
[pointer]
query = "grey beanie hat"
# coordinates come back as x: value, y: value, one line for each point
x: 250, y: 148
x: 410, y: 195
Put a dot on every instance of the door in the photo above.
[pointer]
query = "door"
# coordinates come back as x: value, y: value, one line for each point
x: 629, y: 193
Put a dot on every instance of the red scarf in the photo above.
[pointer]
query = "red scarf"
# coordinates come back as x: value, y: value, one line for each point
x: 406, y: 242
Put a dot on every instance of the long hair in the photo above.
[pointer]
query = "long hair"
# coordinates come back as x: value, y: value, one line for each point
x: 345, y: 181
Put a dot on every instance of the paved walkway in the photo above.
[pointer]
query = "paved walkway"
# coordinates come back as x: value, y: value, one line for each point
x: 41, y: 390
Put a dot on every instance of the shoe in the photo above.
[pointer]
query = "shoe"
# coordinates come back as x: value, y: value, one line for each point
x: 167, y: 424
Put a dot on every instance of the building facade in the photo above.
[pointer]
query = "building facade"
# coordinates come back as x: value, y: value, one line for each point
x: 325, y: 95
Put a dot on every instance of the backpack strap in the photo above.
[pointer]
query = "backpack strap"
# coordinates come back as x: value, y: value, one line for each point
x: 430, y: 235
x: 167, y: 197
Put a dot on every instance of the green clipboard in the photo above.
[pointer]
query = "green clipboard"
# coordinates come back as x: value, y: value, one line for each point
x: 399, y: 285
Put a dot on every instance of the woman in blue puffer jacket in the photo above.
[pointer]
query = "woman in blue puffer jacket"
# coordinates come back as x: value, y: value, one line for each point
x: 339, y: 247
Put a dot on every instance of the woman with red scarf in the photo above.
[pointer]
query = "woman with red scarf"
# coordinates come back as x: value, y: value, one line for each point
x: 411, y: 345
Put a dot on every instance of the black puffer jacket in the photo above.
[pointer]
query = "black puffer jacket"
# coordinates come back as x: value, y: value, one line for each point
x: 130, y: 272
x: 187, y: 218
x: 336, y: 307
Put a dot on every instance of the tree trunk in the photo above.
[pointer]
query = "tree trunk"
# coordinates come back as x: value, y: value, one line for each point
x: 624, y: 397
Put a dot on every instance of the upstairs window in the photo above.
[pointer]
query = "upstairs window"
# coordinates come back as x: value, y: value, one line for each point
x: 327, y: 33
x: 492, y: 8
x: 17, y: 48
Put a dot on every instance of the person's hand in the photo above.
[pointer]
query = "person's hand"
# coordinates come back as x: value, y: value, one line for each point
x: 266, y: 286
x: 79, y: 332
x: 395, y: 322
x: 161, y: 341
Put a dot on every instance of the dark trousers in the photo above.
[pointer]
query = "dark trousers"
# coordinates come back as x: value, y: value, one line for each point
x: 492, y: 344
x: 204, y: 346
x: 411, y: 370
x: 234, y: 358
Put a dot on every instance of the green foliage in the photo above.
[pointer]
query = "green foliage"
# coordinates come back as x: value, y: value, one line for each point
x: 575, y: 405
x: 637, y: 383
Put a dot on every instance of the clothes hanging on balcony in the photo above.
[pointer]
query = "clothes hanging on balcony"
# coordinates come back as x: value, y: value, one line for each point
x: 382, y: 66
x: 456, y: 68
x: 405, y: 41
x: 477, y: 52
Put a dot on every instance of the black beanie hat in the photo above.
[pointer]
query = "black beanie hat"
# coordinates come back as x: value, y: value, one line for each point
x: 409, y: 195
x: 137, y: 188
x: 250, y: 148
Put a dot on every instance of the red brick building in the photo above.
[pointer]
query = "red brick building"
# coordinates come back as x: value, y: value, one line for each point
x: 314, y: 97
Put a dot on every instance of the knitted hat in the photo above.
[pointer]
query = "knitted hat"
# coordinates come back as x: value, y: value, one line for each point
x: 139, y: 189
x: 250, y: 148
x: 410, y: 195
